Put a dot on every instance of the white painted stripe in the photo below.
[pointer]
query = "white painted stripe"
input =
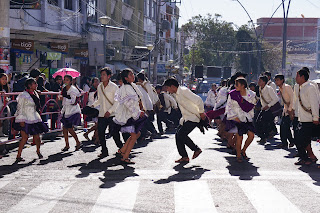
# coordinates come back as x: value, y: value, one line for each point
x: 312, y: 186
x: 193, y: 196
x: 120, y: 198
x: 266, y: 198
x: 3, y: 183
x: 43, y: 198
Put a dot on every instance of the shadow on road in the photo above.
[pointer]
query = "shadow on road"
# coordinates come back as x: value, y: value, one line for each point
x: 245, y: 170
x: 55, y: 158
x: 313, y: 172
x: 112, y: 177
x: 9, y: 169
x: 184, y: 174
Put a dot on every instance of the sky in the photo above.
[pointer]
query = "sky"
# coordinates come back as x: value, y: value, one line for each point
x: 231, y: 10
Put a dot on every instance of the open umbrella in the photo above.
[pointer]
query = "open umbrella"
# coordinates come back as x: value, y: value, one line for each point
x: 66, y: 71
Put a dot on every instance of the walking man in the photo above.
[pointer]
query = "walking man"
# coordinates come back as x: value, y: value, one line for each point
x: 192, y: 110
x: 286, y: 93
x: 106, y: 92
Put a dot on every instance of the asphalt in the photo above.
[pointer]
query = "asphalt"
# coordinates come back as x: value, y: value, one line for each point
x: 77, y: 181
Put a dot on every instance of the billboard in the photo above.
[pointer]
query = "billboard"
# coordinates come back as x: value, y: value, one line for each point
x: 25, y: 4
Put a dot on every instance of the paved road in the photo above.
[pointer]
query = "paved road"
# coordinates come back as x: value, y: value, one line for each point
x: 214, y: 182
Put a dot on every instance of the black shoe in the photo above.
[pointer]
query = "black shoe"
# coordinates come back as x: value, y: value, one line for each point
x: 282, y: 146
x: 291, y: 145
x: 103, y: 155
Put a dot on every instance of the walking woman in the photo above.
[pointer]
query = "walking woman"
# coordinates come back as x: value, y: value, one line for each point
x: 3, y: 89
x: 129, y: 114
x: 28, y: 120
x: 240, y: 109
x: 70, y: 111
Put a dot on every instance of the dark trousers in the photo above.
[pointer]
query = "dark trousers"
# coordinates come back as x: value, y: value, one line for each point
x: 162, y: 117
x: 303, y: 138
x: 103, y: 123
x: 183, y: 139
x: 285, y: 131
x: 265, y: 124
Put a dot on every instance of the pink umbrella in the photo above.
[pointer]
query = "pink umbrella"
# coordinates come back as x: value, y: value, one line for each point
x: 67, y: 71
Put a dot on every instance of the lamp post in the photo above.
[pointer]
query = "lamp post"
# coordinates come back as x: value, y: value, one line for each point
x: 170, y: 62
x: 104, y: 20
x: 150, y: 48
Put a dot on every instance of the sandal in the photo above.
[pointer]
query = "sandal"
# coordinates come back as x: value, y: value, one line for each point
x: 86, y: 136
x: 239, y: 159
x: 65, y: 149
x: 314, y: 160
x: 78, y: 147
x: 244, y: 156
x: 119, y: 153
x: 39, y: 155
x: 127, y: 161
x: 19, y: 159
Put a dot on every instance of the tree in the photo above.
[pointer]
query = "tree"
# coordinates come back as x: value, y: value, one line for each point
x: 211, y: 36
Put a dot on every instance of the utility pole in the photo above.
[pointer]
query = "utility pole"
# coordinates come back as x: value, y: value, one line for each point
x: 284, y: 39
x: 5, y: 29
x: 192, y: 65
x: 156, y: 43
x: 181, y: 56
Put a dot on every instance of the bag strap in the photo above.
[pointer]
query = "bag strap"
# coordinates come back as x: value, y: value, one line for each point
x: 101, y: 86
x: 264, y: 100
x: 303, y: 107
x: 286, y: 103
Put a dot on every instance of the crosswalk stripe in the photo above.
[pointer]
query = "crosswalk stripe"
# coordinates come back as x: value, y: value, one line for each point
x: 3, y: 183
x: 193, y: 196
x: 43, y: 198
x: 313, y: 187
x: 120, y: 198
x: 266, y: 198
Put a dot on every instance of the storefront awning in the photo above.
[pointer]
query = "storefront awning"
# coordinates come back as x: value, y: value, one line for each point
x: 120, y: 66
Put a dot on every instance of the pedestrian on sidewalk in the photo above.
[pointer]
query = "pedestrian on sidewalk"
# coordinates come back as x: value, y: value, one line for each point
x: 28, y: 120
x: 307, y: 112
x: 70, y: 112
x: 211, y: 98
x: 286, y: 93
x: 108, y: 105
x: 192, y: 109
x: 129, y: 115
x: 240, y: 110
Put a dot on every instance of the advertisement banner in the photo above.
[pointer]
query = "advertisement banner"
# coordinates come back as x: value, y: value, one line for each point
x: 5, y: 59
x: 53, y: 56
x: 22, y: 45
x: 60, y: 47
x: 81, y: 53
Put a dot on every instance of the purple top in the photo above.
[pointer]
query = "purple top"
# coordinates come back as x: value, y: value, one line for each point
x: 244, y: 104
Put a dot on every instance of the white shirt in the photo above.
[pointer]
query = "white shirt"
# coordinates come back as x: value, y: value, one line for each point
x: 269, y: 96
x: 273, y: 85
x: 310, y: 100
x: 151, y: 92
x: 128, y: 97
x: 91, y: 98
x: 146, y: 101
x: 211, y: 99
x: 26, y: 109
x: 105, y: 106
x: 191, y: 105
x: 169, y: 101
x: 287, y: 94
x: 69, y: 108
x: 86, y: 88
x: 222, y: 98
x: 233, y: 110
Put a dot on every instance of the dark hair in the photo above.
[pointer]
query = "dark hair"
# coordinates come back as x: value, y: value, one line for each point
x: 124, y: 74
x: 93, y: 79
x: 171, y: 82
x: 107, y: 70
x: 304, y: 72
x: 68, y: 76
x: 267, y: 73
x: 252, y: 84
x: 158, y: 87
x: 28, y: 82
x: 34, y: 73
x: 279, y: 76
x: 224, y: 83
x: 264, y: 78
x: 2, y: 71
x: 57, y: 77
x: 242, y: 81
x: 141, y: 76
x: 84, y: 81
x: 4, y: 87
x: 306, y: 69
x: 119, y: 77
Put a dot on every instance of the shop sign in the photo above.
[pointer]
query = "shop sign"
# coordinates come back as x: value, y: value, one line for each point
x: 53, y: 56
x: 25, y: 4
x: 5, y: 59
x: 22, y: 45
x: 81, y: 53
x: 60, y: 47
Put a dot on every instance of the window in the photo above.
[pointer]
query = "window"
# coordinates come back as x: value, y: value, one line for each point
x: 53, y: 2
x: 145, y: 7
x: 68, y: 4
x: 91, y: 10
